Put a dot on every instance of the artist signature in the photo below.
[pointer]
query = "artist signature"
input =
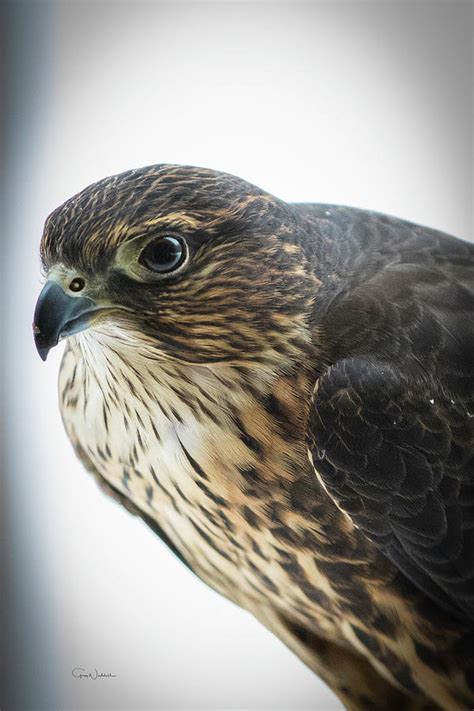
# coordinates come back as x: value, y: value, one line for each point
x: 81, y: 673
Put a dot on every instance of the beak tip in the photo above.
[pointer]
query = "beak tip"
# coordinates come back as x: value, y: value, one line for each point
x: 42, y: 350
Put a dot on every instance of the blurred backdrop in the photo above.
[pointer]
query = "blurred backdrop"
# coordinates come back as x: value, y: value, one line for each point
x: 363, y: 103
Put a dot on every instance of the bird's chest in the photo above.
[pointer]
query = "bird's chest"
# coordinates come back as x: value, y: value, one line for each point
x: 223, y: 477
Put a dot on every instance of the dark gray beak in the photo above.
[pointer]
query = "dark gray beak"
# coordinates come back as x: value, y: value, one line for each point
x: 58, y: 315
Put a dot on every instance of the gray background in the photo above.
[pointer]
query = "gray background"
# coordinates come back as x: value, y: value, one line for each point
x: 363, y: 103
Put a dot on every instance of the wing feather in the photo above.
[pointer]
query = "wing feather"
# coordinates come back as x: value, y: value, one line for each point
x: 399, y: 461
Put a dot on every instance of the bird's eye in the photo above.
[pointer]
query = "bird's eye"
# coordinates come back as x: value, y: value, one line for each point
x: 164, y: 254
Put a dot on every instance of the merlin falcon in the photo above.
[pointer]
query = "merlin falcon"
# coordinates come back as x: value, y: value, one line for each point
x: 284, y: 393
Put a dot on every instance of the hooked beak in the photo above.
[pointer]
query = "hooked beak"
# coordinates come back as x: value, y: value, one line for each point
x: 58, y: 315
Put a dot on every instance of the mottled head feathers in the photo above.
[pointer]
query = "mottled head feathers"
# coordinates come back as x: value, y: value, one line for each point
x: 243, y: 293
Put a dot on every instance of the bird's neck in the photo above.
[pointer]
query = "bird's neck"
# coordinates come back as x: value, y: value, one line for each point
x: 216, y: 455
x: 229, y: 417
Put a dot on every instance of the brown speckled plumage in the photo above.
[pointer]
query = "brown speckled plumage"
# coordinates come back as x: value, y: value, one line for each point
x: 292, y: 412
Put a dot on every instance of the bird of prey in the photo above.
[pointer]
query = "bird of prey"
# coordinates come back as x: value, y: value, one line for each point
x: 284, y: 393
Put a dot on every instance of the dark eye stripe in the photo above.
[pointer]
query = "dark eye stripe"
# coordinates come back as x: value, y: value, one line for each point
x: 164, y: 254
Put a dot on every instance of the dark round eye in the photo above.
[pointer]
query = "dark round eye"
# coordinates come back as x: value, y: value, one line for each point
x: 164, y: 254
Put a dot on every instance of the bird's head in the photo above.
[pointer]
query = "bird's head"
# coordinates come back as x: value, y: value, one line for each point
x: 178, y: 262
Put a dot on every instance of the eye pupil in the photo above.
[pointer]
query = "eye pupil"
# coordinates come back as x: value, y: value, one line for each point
x: 77, y: 284
x: 163, y: 255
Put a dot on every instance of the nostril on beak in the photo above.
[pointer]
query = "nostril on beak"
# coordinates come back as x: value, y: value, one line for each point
x: 77, y: 284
